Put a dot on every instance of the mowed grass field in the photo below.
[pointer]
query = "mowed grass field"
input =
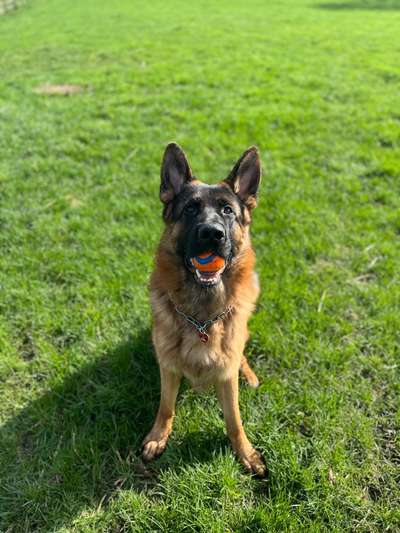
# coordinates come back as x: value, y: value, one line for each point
x: 316, y: 86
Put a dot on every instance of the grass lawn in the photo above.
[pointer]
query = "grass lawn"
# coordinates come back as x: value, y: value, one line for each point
x: 316, y: 86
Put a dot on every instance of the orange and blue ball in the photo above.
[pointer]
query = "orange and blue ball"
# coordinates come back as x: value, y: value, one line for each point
x: 207, y: 262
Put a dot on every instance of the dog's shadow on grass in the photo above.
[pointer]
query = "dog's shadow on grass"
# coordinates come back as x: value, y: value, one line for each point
x: 79, y: 443
x: 73, y: 446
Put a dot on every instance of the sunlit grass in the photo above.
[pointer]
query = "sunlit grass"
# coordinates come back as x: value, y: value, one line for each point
x: 316, y: 88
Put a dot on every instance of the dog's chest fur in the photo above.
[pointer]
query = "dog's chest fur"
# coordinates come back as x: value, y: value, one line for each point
x: 183, y: 351
x: 203, y: 363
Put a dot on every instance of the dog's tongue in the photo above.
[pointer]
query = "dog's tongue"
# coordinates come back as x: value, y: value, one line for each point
x: 208, y: 262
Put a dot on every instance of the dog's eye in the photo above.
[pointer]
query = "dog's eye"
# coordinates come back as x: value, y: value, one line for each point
x: 191, y: 209
x: 227, y: 210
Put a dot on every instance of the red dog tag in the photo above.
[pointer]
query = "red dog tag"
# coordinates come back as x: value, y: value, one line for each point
x: 203, y: 336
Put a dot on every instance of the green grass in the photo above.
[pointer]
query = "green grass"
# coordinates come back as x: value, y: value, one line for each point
x: 316, y: 86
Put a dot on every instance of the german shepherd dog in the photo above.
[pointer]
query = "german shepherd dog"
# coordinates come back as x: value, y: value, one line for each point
x: 200, y: 318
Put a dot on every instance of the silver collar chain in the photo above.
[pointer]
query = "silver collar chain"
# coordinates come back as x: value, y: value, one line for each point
x: 202, y: 327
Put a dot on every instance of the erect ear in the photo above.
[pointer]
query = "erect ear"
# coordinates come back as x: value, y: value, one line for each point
x: 175, y: 172
x: 245, y: 177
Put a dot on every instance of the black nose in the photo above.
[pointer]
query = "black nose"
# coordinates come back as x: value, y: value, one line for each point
x: 211, y: 233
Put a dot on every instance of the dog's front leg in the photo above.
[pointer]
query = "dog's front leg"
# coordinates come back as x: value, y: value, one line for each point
x: 228, y: 395
x: 155, y: 442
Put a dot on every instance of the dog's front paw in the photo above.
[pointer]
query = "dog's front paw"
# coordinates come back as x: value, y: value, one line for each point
x: 254, y: 463
x: 153, y: 447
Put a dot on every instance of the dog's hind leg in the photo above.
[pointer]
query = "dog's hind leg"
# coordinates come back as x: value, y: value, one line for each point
x: 248, y: 374
x: 156, y: 441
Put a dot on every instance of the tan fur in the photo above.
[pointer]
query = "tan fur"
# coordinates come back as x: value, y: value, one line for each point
x: 177, y: 345
x: 179, y: 349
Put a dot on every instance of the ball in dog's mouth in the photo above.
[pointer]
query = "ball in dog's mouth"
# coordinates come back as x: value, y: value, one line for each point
x: 208, y: 268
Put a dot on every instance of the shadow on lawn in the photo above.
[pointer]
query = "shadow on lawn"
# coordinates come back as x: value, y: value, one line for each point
x: 78, y: 444
x: 71, y: 447
x: 372, y: 5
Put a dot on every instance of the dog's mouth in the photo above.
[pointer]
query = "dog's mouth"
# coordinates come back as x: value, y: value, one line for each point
x: 207, y: 268
x: 209, y: 279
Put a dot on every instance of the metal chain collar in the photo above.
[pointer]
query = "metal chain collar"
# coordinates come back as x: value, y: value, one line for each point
x: 201, y: 327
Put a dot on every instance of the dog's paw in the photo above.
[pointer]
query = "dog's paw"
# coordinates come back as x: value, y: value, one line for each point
x: 254, y: 463
x: 252, y: 380
x: 249, y: 374
x: 153, y: 449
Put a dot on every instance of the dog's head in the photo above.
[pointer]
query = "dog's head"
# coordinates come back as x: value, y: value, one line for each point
x: 208, y: 218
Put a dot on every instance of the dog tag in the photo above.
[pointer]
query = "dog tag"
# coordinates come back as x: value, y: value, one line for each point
x: 203, y: 336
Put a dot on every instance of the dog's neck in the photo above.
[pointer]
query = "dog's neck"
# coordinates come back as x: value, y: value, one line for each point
x: 199, y: 302
x: 204, y: 303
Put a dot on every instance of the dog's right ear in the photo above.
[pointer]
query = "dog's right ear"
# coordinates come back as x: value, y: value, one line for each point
x: 175, y: 172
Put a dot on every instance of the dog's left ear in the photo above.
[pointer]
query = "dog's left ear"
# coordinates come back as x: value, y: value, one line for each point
x: 175, y: 172
x: 245, y: 177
